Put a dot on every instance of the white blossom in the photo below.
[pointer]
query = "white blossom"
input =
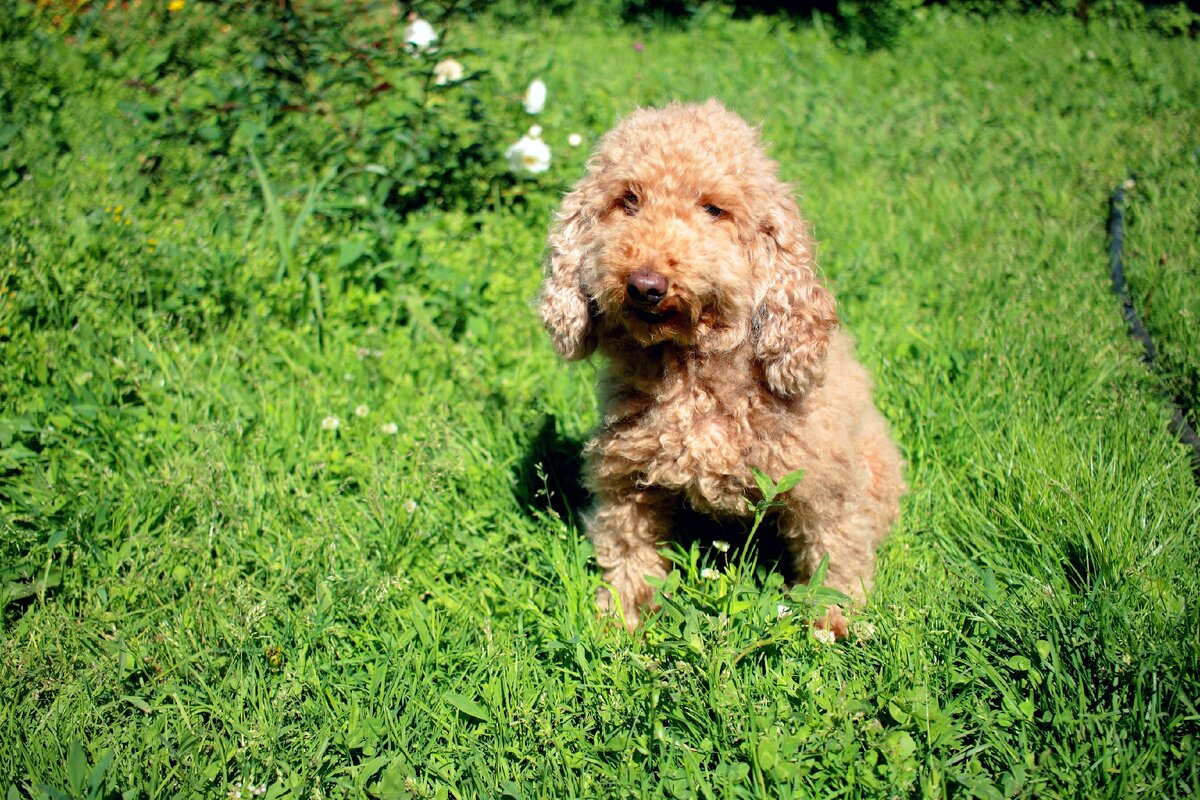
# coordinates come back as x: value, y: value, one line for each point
x: 824, y: 635
x: 330, y: 423
x: 529, y: 154
x: 410, y: 506
x: 708, y: 573
x: 389, y: 428
x: 574, y: 140
x: 535, y: 96
x: 362, y: 411
x: 721, y: 546
x: 419, y: 35
x: 782, y: 611
x: 448, y: 71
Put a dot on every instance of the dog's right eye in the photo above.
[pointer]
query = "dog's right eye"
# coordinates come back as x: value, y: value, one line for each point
x: 630, y: 203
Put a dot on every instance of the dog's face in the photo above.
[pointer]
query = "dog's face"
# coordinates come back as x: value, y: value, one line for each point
x: 682, y: 232
x: 669, y: 257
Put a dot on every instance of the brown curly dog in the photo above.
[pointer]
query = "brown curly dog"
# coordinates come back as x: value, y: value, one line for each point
x: 685, y: 261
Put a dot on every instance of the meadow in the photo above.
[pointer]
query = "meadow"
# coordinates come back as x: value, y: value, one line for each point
x: 289, y: 491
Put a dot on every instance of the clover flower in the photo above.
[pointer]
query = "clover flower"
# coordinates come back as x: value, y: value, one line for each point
x: 529, y: 154
x: 389, y: 428
x: 824, y: 635
x: 710, y: 574
x: 419, y: 36
x: 535, y: 97
x: 330, y: 423
x: 574, y: 140
x: 362, y: 411
x: 447, y: 71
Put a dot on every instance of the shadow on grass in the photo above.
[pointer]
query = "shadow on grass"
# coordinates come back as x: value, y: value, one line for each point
x: 550, y: 480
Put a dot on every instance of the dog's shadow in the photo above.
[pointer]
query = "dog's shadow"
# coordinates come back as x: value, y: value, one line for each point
x: 549, y: 481
x: 549, y: 477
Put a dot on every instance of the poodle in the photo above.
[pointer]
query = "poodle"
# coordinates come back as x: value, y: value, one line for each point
x: 684, y: 260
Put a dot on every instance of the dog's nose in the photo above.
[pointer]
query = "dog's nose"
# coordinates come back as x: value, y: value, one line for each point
x: 647, y: 287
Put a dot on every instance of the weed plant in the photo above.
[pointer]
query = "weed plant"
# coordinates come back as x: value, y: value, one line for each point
x: 289, y: 496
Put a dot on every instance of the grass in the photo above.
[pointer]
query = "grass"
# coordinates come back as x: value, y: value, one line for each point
x: 208, y: 586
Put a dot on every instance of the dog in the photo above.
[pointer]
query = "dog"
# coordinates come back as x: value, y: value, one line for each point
x: 684, y: 260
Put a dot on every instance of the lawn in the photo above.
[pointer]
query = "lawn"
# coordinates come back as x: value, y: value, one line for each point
x: 289, y: 472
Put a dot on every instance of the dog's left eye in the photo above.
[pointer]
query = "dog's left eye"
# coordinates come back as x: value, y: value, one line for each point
x: 716, y: 212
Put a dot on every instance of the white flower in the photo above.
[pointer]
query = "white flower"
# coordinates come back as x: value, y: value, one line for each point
x: 419, y: 35
x: 782, y: 611
x: 824, y: 635
x: 410, y: 506
x: 362, y: 411
x: 535, y: 97
x: 448, y: 71
x: 574, y: 140
x: 330, y: 423
x: 529, y: 154
x: 721, y: 546
x: 390, y: 428
x: 708, y: 573
x: 864, y: 630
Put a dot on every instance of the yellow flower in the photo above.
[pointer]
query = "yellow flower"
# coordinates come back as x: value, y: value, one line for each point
x: 176, y: 5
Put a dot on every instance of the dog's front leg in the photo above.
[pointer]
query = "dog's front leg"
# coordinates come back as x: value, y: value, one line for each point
x: 626, y: 529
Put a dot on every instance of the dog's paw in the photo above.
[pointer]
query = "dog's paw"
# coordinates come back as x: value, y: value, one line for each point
x: 835, y: 622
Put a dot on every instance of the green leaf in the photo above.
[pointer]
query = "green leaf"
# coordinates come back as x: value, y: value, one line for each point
x: 8, y: 133
x: 788, y: 481
x: 137, y: 703
x: 765, y: 484
x: 467, y: 706
x: 275, y: 214
x: 77, y: 767
x: 95, y: 779
x: 1019, y: 664
x: 768, y: 752
x: 897, y: 713
x: 350, y: 252
x: 817, y: 579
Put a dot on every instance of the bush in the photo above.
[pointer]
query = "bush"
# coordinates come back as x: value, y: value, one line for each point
x: 302, y: 83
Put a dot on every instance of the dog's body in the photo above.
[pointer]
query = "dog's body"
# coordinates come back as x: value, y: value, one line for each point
x: 684, y: 260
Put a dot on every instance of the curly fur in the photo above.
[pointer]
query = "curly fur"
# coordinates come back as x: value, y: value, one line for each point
x: 740, y: 364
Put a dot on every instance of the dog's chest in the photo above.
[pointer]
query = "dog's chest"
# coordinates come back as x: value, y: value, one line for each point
x: 697, y: 433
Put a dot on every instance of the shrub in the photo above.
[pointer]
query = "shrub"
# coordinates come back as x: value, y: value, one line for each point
x: 304, y: 84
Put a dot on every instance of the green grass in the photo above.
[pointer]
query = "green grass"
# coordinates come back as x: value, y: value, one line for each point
x: 205, y: 587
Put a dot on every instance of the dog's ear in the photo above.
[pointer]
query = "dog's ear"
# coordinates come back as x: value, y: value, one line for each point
x: 795, y: 314
x: 565, y: 310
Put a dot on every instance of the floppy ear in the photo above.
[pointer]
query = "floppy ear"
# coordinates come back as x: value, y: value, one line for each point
x: 795, y: 314
x: 564, y: 306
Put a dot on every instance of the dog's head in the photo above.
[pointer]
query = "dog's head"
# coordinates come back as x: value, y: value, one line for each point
x: 682, y: 232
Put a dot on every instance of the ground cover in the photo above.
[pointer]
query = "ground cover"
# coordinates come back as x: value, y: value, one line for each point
x: 286, y: 461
